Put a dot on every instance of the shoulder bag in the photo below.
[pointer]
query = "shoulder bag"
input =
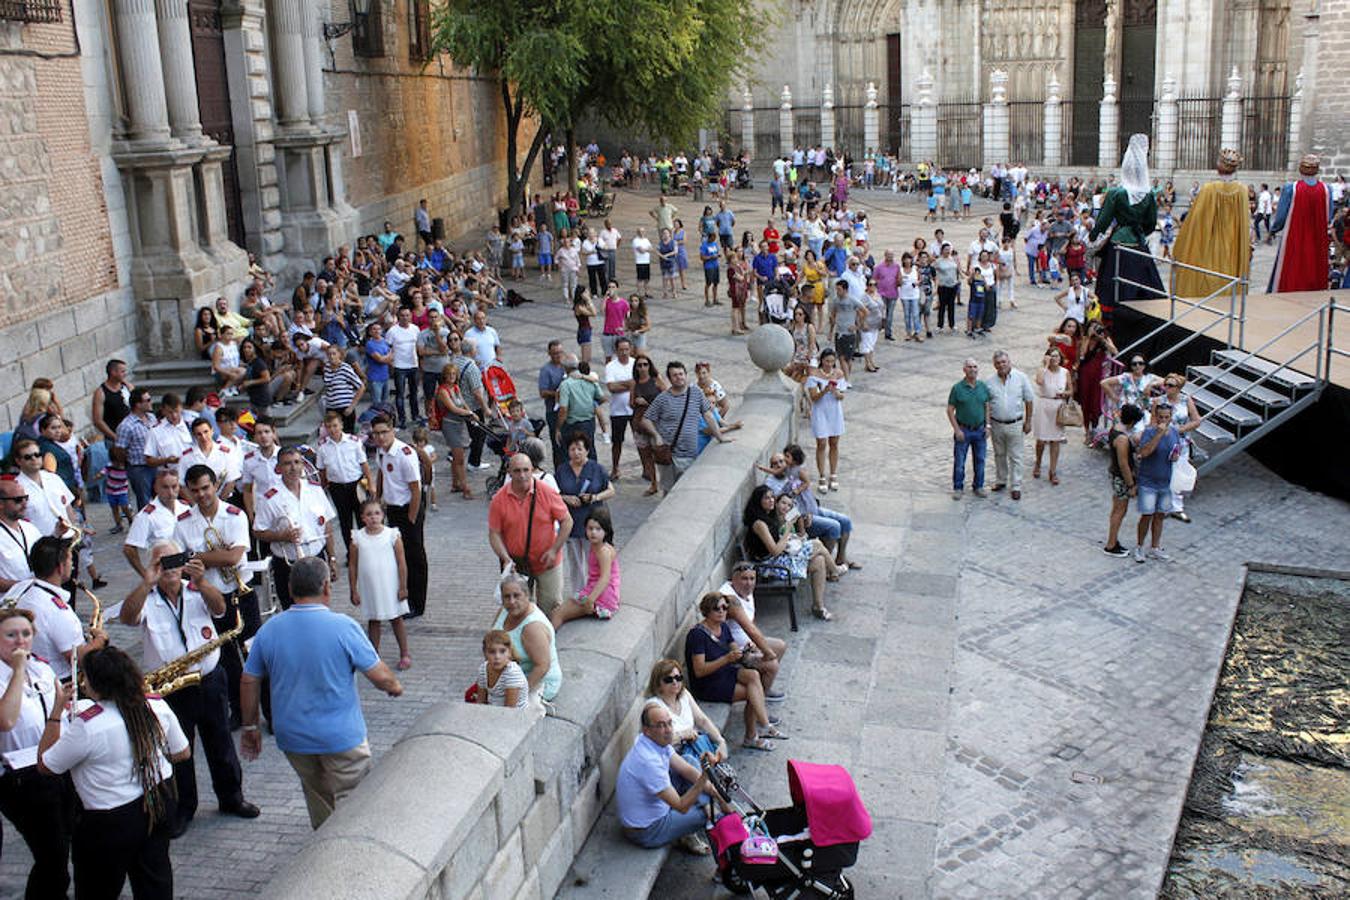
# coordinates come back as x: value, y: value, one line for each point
x: 1069, y: 413
x: 522, y: 561
x: 664, y: 454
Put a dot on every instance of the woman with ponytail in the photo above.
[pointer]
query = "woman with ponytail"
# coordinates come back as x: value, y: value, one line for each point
x: 118, y: 745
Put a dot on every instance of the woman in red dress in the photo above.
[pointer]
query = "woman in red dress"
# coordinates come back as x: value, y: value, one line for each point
x: 1094, y: 349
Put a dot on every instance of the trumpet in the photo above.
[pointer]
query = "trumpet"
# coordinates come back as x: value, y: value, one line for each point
x: 290, y: 550
x: 213, y: 541
x: 174, y: 675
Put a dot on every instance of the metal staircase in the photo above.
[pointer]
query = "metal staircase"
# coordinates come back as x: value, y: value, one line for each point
x: 1242, y: 395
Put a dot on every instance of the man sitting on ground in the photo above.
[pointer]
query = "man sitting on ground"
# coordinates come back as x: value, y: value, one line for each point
x: 651, y: 812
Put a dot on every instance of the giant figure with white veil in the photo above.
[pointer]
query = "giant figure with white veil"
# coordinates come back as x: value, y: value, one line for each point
x: 1129, y: 215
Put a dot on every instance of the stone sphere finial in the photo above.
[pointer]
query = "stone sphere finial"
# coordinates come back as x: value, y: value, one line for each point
x: 770, y: 347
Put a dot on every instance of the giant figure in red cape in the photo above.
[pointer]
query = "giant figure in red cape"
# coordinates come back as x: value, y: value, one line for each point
x: 1302, y: 220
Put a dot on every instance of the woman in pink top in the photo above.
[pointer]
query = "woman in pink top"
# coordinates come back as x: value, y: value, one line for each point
x: 616, y: 314
x: 600, y: 596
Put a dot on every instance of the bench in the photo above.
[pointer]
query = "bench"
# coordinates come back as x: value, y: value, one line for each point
x: 771, y: 578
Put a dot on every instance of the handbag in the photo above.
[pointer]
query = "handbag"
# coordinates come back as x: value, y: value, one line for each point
x: 664, y: 454
x: 1069, y: 413
x: 1183, y: 476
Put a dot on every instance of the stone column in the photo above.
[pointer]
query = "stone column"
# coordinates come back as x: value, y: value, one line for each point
x: 288, y: 64
x: 1296, y: 122
x: 1108, y: 132
x: 313, y: 35
x: 996, y: 123
x: 827, y: 116
x: 1054, y: 123
x: 923, y: 120
x: 142, y: 78
x: 1231, y: 130
x: 871, y: 121
x: 1165, y: 158
x: 785, y: 122
x: 748, y: 121
x: 180, y: 76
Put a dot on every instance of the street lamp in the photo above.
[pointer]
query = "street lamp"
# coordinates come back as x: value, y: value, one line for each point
x: 360, y: 9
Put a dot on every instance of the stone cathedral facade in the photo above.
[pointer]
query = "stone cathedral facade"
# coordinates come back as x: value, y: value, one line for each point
x: 148, y: 146
x: 827, y: 53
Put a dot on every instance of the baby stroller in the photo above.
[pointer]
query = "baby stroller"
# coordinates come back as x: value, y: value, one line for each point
x: 800, y: 850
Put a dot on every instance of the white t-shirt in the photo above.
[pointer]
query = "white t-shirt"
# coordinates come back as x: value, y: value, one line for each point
x: 620, y: 404
x: 403, y: 341
x: 642, y: 251
x: 738, y: 635
x: 95, y: 748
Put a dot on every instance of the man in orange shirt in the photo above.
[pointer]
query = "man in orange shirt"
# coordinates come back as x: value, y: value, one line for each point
x: 528, y: 524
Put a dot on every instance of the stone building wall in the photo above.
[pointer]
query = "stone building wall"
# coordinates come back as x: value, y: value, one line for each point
x: 63, y: 309
x: 1328, y: 108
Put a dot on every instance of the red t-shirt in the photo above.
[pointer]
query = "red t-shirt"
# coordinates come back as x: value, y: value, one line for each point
x: 771, y: 235
x: 507, y: 515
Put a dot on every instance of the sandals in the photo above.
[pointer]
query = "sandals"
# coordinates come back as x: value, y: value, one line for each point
x: 823, y: 486
x: 852, y: 565
x: 1054, y: 479
x: 772, y: 734
x: 823, y: 614
x: 757, y: 743
x: 1036, y: 472
x: 834, y: 483
x: 404, y: 663
x: 651, y: 490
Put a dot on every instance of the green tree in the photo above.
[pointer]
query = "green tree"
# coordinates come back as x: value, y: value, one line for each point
x: 664, y: 66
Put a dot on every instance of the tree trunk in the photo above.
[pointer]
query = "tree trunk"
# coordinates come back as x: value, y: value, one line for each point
x: 516, y: 178
x: 571, y: 157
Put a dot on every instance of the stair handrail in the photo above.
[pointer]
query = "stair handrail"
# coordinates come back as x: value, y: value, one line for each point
x: 1320, y: 312
x: 1236, y: 311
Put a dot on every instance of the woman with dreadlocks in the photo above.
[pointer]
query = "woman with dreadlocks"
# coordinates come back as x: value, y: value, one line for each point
x: 119, y: 750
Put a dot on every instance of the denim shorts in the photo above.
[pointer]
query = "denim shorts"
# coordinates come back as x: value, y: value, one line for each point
x: 1154, y: 500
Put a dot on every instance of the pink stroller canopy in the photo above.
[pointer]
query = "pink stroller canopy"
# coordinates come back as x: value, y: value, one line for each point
x: 834, y: 811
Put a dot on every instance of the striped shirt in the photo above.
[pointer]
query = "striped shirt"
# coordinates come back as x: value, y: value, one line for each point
x: 340, y: 386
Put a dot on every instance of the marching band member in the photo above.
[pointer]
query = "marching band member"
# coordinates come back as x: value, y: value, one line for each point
x: 296, y: 519
x: 156, y: 520
x: 49, y: 500
x: 174, y: 606
x: 59, y: 630
x: 169, y: 436
x: 17, y: 535
x: 225, y: 528
x: 39, y: 805
x: 119, y: 751
x: 342, y: 466
x: 260, y: 465
x: 206, y: 451
x: 398, y: 482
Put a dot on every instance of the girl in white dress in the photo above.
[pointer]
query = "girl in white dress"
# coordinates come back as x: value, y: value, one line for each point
x: 378, y: 575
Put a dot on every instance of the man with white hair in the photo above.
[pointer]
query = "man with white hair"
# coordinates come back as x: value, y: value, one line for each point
x: 1010, y: 402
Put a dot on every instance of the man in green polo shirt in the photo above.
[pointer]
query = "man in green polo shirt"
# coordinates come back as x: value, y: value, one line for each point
x: 967, y: 411
x: 578, y: 396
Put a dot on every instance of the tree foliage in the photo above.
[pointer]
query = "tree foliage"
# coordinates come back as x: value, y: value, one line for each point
x: 663, y: 66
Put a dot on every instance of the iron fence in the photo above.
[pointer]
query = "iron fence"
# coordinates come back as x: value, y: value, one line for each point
x: 1137, y: 116
x: 767, y: 145
x: 960, y: 138
x: 1199, y: 130
x: 731, y: 130
x: 1026, y: 132
x: 805, y: 126
x: 1082, y: 123
x: 848, y: 130
x: 1265, y: 133
x: 895, y: 130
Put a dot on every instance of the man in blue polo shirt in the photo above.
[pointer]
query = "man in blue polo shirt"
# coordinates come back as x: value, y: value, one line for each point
x: 836, y: 256
x: 968, y: 413
x: 651, y: 812
x: 726, y: 224
x: 309, y: 653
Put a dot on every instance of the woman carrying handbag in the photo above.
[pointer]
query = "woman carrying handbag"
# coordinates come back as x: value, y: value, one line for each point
x: 1054, y: 391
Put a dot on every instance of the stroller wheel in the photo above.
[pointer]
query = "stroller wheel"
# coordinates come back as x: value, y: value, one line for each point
x: 732, y: 881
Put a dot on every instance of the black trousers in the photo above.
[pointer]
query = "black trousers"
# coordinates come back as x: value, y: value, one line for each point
x: 232, y: 655
x: 281, y: 577
x: 414, y: 553
x: 346, y: 502
x: 112, y: 845
x: 477, y: 436
x: 551, y: 421
x: 42, y: 808
x: 947, y: 306
x: 205, y: 709
x: 595, y: 275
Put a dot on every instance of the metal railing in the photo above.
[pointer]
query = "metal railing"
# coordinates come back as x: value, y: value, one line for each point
x: 1234, y: 286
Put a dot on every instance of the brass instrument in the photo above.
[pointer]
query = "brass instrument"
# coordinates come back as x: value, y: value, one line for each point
x: 214, y: 541
x: 96, y: 619
x: 174, y: 675
x: 95, y: 624
x: 290, y: 550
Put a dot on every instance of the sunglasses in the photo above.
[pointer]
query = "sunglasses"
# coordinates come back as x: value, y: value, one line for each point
x: 1172, y: 384
x: 17, y: 498
x: 722, y: 607
x: 676, y: 678
x: 30, y: 456
x: 1137, y: 362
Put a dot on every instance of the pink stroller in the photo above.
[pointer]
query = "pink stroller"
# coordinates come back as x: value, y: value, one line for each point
x: 798, y: 851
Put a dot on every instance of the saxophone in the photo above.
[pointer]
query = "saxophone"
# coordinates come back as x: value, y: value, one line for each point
x: 174, y: 675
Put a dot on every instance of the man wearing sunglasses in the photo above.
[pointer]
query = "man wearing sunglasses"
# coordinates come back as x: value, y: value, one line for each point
x: 49, y: 500
x: 17, y: 535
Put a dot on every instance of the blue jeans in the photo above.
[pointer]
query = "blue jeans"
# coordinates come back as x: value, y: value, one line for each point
x: 1031, y: 268
x: 829, y: 525
x: 976, y: 441
x: 667, y: 829
x: 815, y: 245
x: 890, y: 315
x: 911, y: 315
x: 142, y: 479
x: 405, y: 388
x: 379, y: 392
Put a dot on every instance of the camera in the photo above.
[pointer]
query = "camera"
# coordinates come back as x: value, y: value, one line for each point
x: 176, y: 560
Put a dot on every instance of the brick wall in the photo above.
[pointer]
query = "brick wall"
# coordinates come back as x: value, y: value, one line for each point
x: 62, y: 311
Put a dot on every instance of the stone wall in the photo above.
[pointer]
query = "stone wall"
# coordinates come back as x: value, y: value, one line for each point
x: 1329, y: 108
x: 489, y: 804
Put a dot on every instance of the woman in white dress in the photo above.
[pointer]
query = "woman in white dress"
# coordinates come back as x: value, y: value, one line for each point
x: 1054, y: 385
x: 378, y: 575
x: 825, y: 386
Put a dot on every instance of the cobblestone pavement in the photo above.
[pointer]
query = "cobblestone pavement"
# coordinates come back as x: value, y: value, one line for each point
x: 1020, y: 711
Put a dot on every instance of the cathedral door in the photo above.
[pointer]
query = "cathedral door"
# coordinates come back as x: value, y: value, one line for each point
x: 1089, y: 47
x: 1137, y: 46
x: 213, y: 101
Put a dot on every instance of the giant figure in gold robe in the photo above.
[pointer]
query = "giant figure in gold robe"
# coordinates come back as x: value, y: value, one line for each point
x: 1215, y: 234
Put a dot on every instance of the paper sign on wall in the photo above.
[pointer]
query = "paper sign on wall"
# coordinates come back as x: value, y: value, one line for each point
x: 354, y: 131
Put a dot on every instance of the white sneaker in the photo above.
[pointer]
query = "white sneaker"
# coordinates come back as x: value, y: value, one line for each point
x: 1139, y: 554
x: 1158, y: 553
x: 605, y: 438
